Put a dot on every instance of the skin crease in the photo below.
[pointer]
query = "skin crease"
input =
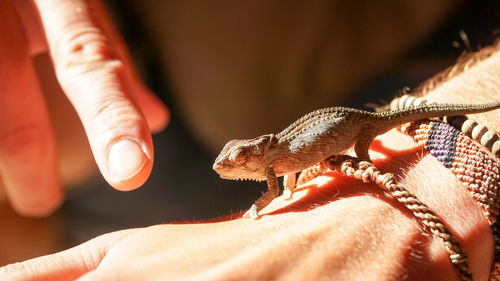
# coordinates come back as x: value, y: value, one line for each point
x: 341, y: 229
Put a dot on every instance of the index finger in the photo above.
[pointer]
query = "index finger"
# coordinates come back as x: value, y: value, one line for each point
x: 94, y: 77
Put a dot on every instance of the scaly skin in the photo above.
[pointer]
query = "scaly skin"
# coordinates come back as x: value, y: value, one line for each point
x: 316, y: 136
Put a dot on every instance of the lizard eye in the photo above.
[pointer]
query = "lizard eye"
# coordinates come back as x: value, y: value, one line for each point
x: 238, y: 156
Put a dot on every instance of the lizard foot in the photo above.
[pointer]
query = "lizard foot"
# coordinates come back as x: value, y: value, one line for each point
x: 252, y: 213
x: 288, y: 194
x: 289, y: 182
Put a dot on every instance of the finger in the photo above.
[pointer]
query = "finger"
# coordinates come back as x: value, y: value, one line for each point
x: 132, y: 272
x: 32, y: 26
x: 65, y: 265
x: 115, y: 274
x: 154, y: 110
x: 28, y: 162
x: 156, y: 113
x: 94, y: 78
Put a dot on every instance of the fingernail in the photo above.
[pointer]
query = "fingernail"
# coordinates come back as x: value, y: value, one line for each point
x: 125, y: 159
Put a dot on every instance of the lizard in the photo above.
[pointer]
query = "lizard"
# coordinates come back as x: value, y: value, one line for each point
x: 316, y: 136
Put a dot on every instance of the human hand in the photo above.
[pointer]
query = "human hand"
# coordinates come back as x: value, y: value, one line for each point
x: 335, y: 228
x: 95, y: 72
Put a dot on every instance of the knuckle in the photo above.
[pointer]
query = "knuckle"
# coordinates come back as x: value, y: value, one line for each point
x: 85, y: 49
x: 104, y: 106
x: 19, y: 142
x: 15, y: 270
x: 112, y: 107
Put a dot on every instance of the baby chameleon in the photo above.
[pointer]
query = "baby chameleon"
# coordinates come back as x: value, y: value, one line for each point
x: 316, y: 136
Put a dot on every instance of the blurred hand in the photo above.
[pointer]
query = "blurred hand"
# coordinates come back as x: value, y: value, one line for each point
x: 94, y: 70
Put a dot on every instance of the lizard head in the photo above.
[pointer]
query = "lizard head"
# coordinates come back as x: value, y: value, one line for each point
x: 244, y: 159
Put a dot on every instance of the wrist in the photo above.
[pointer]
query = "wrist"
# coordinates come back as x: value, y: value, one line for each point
x: 440, y: 189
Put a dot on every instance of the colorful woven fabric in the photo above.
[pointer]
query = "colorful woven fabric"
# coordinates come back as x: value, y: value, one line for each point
x: 476, y: 168
x: 488, y: 138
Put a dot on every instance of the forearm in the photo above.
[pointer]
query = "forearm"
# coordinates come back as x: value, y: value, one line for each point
x: 436, y: 186
x: 475, y: 80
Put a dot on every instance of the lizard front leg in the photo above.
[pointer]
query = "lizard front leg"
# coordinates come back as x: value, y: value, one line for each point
x: 266, y: 198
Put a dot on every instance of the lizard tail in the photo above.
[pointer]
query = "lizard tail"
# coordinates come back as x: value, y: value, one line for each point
x: 391, y: 119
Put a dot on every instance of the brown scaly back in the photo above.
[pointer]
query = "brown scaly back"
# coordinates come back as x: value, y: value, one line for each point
x: 315, y: 117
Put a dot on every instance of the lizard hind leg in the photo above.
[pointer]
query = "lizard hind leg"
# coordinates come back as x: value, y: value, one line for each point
x: 365, y: 139
x: 311, y: 173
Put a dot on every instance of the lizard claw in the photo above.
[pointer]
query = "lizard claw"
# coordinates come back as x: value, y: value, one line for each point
x: 288, y: 194
x: 289, y: 181
x: 252, y: 213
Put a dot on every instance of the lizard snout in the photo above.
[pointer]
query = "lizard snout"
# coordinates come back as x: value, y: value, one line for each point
x: 219, y: 166
x: 216, y: 166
